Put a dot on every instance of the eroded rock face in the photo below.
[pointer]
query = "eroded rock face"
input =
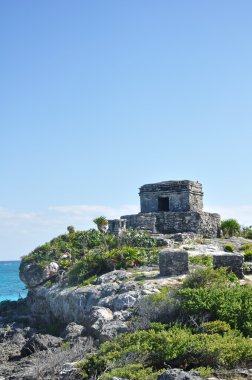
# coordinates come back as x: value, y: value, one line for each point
x: 116, y: 275
x: 39, y: 342
x: 33, y: 275
x: 102, y: 309
x: 73, y: 331
x: 27, y: 355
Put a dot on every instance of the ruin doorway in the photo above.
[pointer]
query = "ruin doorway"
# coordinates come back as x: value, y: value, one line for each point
x: 163, y: 204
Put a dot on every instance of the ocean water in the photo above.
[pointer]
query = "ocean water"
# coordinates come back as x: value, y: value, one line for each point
x: 11, y: 288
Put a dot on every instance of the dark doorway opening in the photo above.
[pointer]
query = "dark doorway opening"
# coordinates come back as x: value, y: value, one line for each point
x: 163, y: 204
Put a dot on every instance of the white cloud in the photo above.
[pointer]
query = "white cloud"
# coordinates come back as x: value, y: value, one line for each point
x: 243, y: 213
x: 91, y: 211
x: 21, y: 232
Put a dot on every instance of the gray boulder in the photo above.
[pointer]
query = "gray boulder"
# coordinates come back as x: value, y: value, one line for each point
x: 178, y: 374
x: 111, y: 329
x: 115, y: 275
x: 33, y: 275
x: 99, y: 316
x: 39, y: 342
x: 125, y: 300
x: 73, y: 331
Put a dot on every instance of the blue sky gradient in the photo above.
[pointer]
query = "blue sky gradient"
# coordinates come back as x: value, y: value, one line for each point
x: 99, y: 97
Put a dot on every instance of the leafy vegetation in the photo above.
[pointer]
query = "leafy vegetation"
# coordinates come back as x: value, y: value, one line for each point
x: 205, y: 323
x: 74, y: 245
x: 152, y: 350
x: 206, y: 260
x: 214, y: 317
x: 207, y: 278
x: 228, y: 248
x: 83, y: 254
x: 246, y: 247
x: 248, y: 255
x: 214, y: 327
x: 205, y: 296
x: 134, y: 238
x: 97, y: 262
x: 246, y: 232
x: 230, y: 227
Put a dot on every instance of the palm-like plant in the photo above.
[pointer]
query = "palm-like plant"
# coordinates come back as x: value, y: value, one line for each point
x: 102, y: 225
x: 230, y: 227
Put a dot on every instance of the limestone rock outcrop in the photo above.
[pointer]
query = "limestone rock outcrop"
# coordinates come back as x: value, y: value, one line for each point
x: 33, y: 275
x: 102, y: 309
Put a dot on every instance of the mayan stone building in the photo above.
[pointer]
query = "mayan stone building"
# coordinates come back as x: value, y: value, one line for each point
x: 171, y: 207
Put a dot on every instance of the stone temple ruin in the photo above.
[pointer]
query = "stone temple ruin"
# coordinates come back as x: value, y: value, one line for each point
x: 170, y: 207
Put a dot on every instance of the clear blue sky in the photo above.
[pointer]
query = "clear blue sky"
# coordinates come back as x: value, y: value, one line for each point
x: 99, y: 97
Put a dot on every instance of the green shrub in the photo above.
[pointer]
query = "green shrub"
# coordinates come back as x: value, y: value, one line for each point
x: 246, y: 246
x: 112, y: 240
x: 230, y: 227
x: 132, y: 372
x: 99, y: 262
x: 215, y: 327
x: 75, y: 244
x: 134, y: 238
x: 176, y: 346
x: 71, y: 229
x: 206, y: 260
x: 64, y: 264
x: 247, y: 267
x: 89, y: 281
x: 206, y: 277
x: 248, y: 255
x: 247, y: 232
x: 78, y: 273
x: 228, y: 248
x: 204, y: 372
x: 230, y: 304
x: 158, y: 307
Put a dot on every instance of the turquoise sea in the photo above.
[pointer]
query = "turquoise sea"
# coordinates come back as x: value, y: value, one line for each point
x: 11, y: 288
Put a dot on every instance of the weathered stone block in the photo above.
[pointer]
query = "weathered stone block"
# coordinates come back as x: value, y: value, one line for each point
x: 173, y: 262
x: 175, y: 196
x: 233, y: 261
x: 201, y: 223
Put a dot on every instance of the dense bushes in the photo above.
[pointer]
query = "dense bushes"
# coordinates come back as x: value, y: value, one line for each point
x: 207, y: 278
x: 134, y: 238
x: 209, y: 294
x: 247, y: 232
x: 214, y: 327
x: 164, y: 345
x: 101, y: 262
x: 74, y: 244
x: 79, y: 245
x: 248, y: 255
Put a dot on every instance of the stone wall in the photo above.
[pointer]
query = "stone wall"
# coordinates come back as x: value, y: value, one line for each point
x: 117, y: 226
x: 173, y: 262
x: 182, y: 196
x: 202, y: 223
x: 233, y: 261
